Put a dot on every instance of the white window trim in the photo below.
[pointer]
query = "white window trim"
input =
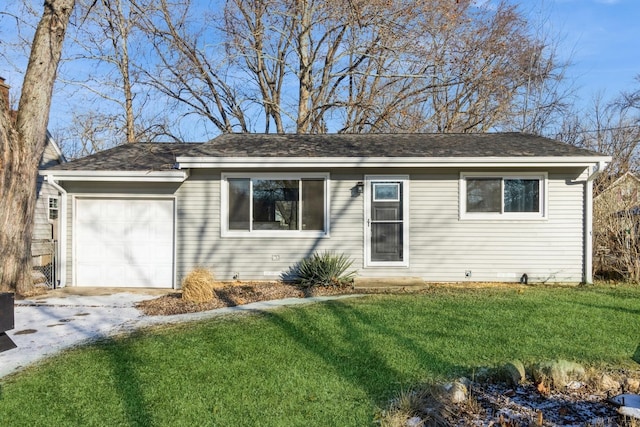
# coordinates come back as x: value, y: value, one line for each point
x: 49, y: 208
x: 504, y: 216
x: 224, y: 208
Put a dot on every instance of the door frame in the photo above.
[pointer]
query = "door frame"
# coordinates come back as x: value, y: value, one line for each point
x: 368, y: 181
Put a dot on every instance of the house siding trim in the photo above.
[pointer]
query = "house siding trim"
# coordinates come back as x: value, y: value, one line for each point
x: 120, y: 176
x: 375, y: 162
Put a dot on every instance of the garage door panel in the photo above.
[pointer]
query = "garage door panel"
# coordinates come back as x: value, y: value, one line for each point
x: 124, y: 242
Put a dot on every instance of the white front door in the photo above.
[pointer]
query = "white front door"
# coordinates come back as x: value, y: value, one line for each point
x: 386, y: 220
x: 124, y: 242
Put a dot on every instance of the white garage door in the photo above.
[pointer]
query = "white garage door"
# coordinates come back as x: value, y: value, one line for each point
x: 124, y: 242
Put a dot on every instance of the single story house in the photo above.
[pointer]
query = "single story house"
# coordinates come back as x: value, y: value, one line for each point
x: 443, y: 207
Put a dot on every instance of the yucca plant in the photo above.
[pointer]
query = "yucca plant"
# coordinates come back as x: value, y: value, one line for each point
x: 324, y: 269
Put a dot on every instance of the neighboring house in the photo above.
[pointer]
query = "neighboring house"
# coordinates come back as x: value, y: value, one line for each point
x: 45, y: 237
x: 442, y: 207
x: 621, y: 194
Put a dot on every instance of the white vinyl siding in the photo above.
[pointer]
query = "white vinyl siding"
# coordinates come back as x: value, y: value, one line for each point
x: 442, y: 246
x: 44, y: 228
x: 201, y: 241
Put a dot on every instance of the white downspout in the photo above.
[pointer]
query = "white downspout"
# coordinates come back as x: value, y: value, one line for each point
x: 62, y: 244
x: 588, y: 222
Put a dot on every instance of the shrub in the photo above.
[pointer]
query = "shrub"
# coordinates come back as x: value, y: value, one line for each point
x: 325, y: 269
x: 197, y: 286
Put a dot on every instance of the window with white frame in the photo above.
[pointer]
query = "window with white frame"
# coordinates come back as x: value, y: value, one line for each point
x: 507, y: 196
x: 275, y: 204
x: 54, y: 209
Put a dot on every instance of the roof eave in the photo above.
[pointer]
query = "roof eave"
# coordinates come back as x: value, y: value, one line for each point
x: 351, y: 162
x: 117, y: 176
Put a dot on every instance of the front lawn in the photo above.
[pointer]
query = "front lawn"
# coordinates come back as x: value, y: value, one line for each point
x: 333, y: 363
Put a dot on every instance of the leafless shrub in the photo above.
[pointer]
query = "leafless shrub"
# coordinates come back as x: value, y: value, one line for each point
x: 198, y: 286
x: 616, y: 217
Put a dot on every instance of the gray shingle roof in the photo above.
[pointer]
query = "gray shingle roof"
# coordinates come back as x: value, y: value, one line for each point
x: 162, y: 156
x: 130, y: 157
x: 387, y: 145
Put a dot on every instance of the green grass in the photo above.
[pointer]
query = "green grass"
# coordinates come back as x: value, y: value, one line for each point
x: 327, y: 364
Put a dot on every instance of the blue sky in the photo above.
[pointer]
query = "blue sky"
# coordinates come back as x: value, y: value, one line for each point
x: 602, y: 38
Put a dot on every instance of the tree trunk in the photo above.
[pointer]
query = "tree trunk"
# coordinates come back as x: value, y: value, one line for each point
x: 305, y: 66
x: 22, y: 143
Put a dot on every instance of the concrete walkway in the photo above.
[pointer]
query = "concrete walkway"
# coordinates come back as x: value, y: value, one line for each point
x: 45, y: 326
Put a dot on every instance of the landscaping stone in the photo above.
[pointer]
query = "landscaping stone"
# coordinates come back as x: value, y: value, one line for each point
x: 629, y: 412
x: 457, y: 391
x: 632, y: 385
x: 414, y: 422
x: 515, y: 372
x: 606, y: 383
x: 557, y: 373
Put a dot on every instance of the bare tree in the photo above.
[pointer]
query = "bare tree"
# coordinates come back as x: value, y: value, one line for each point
x: 378, y: 66
x: 616, y: 234
x: 611, y: 127
x: 103, y: 62
x: 22, y: 142
x: 607, y: 128
x: 187, y: 69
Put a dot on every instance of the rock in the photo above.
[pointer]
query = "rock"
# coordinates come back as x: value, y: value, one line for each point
x: 455, y: 392
x: 515, y: 372
x: 606, y: 383
x: 630, y: 412
x: 632, y: 385
x: 414, y: 422
x: 557, y: 373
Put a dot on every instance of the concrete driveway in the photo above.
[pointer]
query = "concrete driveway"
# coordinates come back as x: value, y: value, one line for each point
x: 69, y: 317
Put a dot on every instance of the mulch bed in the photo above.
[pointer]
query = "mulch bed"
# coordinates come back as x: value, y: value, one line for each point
x: 237, y: 294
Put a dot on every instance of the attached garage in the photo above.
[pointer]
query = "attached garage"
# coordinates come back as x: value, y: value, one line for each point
x: 124, y: 242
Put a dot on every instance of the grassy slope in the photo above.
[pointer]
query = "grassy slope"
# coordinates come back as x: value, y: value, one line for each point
x: 327, y: 364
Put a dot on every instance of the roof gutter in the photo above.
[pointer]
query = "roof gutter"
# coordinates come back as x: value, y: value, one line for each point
x: 185, y: 162
x: 597, y: 169
x: 120, y: 176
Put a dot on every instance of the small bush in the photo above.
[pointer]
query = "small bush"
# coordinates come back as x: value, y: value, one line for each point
x: 325, y: 269
x: 198, y: 286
